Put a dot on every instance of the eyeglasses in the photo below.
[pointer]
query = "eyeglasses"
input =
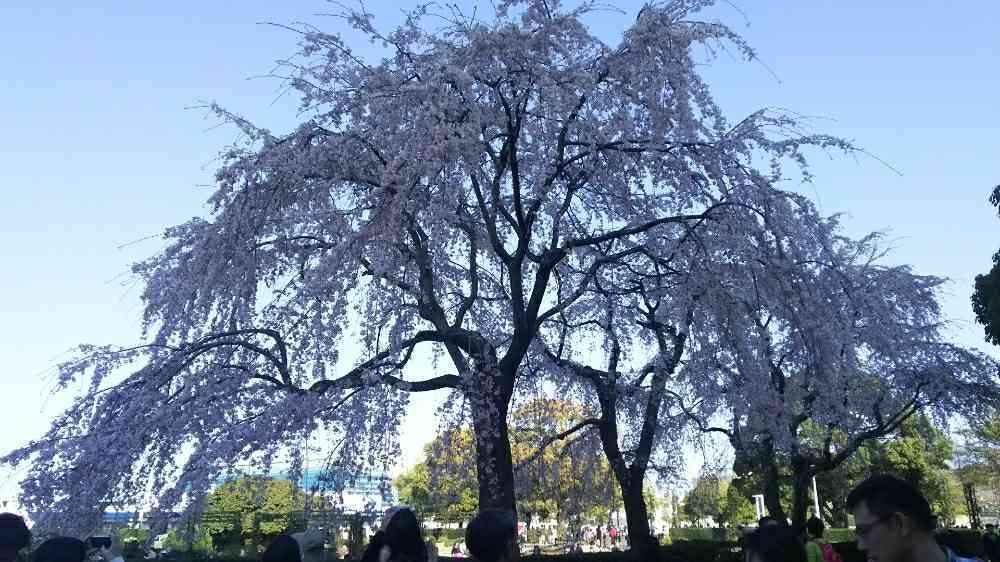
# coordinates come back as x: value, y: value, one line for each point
x: 863, y: 530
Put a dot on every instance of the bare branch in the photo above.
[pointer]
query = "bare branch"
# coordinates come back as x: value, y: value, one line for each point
x: 548, y: 441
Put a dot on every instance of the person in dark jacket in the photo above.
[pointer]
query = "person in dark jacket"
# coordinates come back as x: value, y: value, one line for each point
x: 14, y: 535
x: 773, y: 543
x: 991, y: 543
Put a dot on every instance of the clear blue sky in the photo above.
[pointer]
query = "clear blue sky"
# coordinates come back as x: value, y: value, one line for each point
x: 97, y: 149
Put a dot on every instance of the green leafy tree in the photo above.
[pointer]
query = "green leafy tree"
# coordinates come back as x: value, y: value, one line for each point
x: 253, y: 509
x: 177, y: 539
x: 443, y: 485
x: 979, y: 465
x: 562, y: 478
x: 957, y: 497
x: 704, y: 500
x: 560, y: 466
x: 736, y: 507
x: 134, y: 540
x: 414, y: 487
x: 917, y: 452
x: 920, y: 454
x: 653, y: 503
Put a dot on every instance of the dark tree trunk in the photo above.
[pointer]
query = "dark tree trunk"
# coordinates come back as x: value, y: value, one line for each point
x: 772, y: 483
x: 630, y: 480
x: 800, y: 498
x: 495, y: 467
x: 637, y: 519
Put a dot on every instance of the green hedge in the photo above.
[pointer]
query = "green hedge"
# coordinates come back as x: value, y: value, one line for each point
x: 839, y: 535
x: 447, y: 536
x: 704, y: 534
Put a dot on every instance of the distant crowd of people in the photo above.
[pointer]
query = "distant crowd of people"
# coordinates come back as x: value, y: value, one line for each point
x: 893, y: 523
x: 491, y: 536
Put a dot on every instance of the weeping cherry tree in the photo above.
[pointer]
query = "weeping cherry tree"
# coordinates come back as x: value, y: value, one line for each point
x: 451, y: 196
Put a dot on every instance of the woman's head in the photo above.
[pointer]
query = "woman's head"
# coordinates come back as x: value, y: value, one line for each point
x: 773, y: 543
x: 282, y: 549
x: 402, y: 534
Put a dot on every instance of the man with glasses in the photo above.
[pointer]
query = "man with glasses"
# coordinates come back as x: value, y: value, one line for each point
x: 893, y: 523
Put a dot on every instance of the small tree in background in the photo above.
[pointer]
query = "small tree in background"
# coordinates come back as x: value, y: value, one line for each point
x: 704, y: 501
x: 737, y: 508
x: 561, y: 478
x: 442, y: 486
x: 254, y: 509
x: 921, y: 454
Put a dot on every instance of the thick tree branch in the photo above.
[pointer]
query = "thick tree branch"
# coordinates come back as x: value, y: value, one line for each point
x: 699, y: 423
x: 548, y: 441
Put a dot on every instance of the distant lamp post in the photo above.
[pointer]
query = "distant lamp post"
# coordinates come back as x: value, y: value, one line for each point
x: 816, y: 512
x: 758, y: 501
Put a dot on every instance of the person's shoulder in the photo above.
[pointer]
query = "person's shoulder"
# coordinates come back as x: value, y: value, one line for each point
x: 952, y: 557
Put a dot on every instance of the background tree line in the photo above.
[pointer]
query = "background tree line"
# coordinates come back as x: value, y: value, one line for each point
x: 568, y: 480
x: 919, y: 452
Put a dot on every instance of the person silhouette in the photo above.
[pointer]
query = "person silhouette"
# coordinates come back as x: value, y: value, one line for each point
x: 14, y: 536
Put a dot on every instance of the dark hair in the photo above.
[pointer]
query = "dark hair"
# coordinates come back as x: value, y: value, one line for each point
x: 61, y: 549
x: 282, y: 549
x: 775, y: 543
x: 815, y: 527
x: 374, y: 547
x: 403, y: 537
x: 767, y: 520
x: 489, y: 534
x: 885, y: 494
x: 13, y: 531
